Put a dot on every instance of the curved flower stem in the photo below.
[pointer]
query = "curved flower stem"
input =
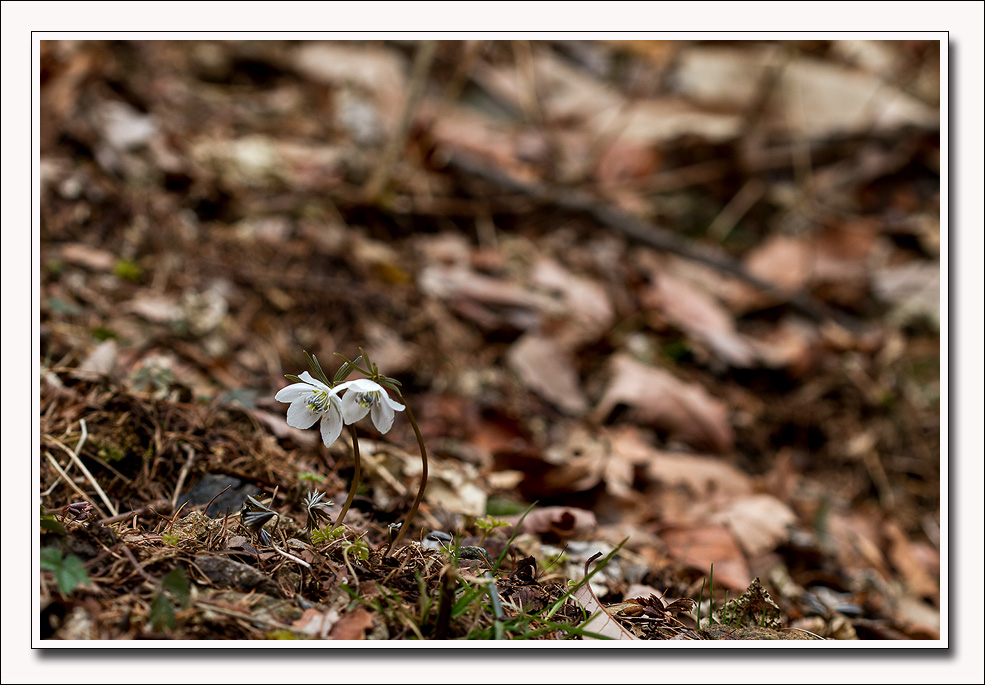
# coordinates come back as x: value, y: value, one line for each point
x: 424, y: 481
x: 355, y: 480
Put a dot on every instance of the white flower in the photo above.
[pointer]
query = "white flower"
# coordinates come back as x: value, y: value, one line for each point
x: 313, y: 400
x: 364, y: 396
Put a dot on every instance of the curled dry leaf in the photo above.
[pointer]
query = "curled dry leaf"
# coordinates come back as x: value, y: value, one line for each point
x: 685, y: 411
x: 600, y: 620
x: 565, y: 522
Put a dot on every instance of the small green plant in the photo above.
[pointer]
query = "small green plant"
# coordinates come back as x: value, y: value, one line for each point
x: 315, y: 477
x: 128, y: 270
x: 170, y: 539
x: 326, y: 534
x: 486, y: 525
x: 50, y: 523
x: 69, y: 571
x: 314, y: 398
x: 162, y: 609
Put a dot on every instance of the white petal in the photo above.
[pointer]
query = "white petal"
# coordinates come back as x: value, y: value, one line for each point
x: 308, y: 378
x: 293, y: 392
x: 300, y: 415
x: 352, y: 411
x: 382, y: 416
x: 364, y: 385
x: 331, y: 426
x: 393, y: 403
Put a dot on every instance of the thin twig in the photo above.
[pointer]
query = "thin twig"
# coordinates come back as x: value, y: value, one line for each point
x: 92, y: 481
x: 290, y: 556
x: 644, y: 232
x: 215, y: 497
x: 153, y: 507
x: 183, y: 474
x: 78, y: 490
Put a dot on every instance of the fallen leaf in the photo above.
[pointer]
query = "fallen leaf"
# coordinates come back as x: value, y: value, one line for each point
x: 758, y: 522
x: 352, y: 626
x: 656, y: 398
x: 909, y: 563
x: 703, y: 319
x: 703, y: 546
x: 600, y: 621
x: 565, y: 522
x: 90, y: 257
x: 913, y: 290
x: 588, y: 312
x: 546, y: 370
x: 316, y: 623
x: 101, y: 360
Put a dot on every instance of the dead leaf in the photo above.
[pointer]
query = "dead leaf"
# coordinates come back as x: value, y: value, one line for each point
x: 812, y: 97
x: 564, y: 522
x: 316, y: 623
x: 759, y: 522
x: 702, y: 546
x: 703, y: 319
x: 545, y: 369
x: 600, y: 621
x: 588, y: 314
x: 101, y: 360
x: 155, y: 308
x: 909, y: 563
x: 913, y: 290
x: 656, y: 398
x: 90, y: 257
x: 352, y: 626
x: 374, y: 69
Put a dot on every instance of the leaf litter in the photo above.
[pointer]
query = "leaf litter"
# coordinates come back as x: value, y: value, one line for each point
x: 594, y: 322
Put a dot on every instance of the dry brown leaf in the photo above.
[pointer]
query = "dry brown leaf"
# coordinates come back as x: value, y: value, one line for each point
x: 374, y: 69
x: 585, y: 459
x: 588, y: 314
x: 90, y: 257
x: 352, y: 626
x: 656, y: 398
x: 812, y: 97
x: 456, y: 282
x: 758, y: 522
x: 316, y: 623
x: 600, y: 622
x: 703, y: 319
x: 466, y: 130
x: 913, y: 289
x: 910, y: 563
x: 101, y: 360
x: 703, y: 546
x: 547, y: 370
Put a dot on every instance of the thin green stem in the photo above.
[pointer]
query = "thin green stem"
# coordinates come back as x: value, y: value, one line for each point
x: 355, y: 480
x: 424, y: 481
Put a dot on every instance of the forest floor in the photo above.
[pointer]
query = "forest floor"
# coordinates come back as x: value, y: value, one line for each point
x: 671, y: 303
